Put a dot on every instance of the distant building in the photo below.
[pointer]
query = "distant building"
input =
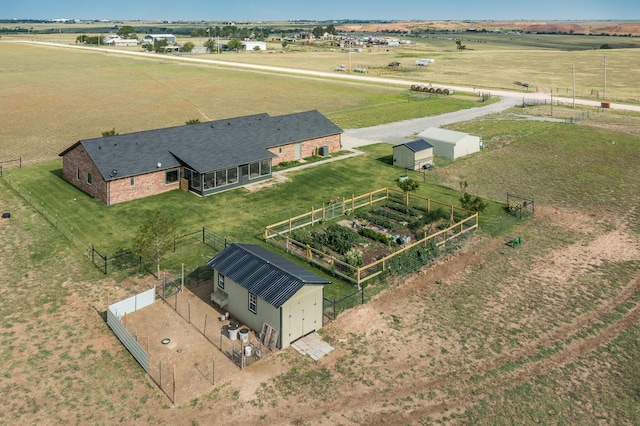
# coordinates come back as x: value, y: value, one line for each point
x: 150, y: 38
x: 119, y: 41
x: 251, y: 45
x: 451, y: 144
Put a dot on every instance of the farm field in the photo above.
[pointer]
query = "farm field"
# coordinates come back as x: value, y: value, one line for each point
x: 547, y: 332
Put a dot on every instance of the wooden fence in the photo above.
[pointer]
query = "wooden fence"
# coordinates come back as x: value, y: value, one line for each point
x: 278, y: 233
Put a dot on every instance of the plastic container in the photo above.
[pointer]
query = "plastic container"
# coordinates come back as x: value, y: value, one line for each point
x: 244, y: 334
x: 233, y: 330
x: 247, y: 350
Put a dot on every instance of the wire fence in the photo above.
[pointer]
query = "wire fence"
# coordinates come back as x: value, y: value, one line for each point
x: 120, y: 260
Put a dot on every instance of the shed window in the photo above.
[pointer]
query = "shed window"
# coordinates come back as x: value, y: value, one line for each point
x: 89, y: 178
x: 132, y: 181
x: 280, y: 150
x: 171, y: 176
x: 77, y: 173
x: 253, y: 303
x: 220, y: 280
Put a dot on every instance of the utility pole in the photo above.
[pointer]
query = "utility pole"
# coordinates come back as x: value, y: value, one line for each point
x: 573, y: 82
x: 604, y: 64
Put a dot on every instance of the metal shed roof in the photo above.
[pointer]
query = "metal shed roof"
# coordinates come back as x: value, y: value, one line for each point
x: 443, y: 135
x: 417, y: 145
x: 262, y: 272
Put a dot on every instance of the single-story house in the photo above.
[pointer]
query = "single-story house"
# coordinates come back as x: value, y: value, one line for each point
x: 413, y: 155
x: 251, y: 45
x: 259, y: 287
x: 203, y: 158
x: 451, y: 144
x: 119, y: 42
x: 150, y: 38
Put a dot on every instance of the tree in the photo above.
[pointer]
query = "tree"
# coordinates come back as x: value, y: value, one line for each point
x: 331, y: 30
x: 317, y: 32
x: 192, y: 121
x: 154, y: 239
x: 285, y: 44
x: 408, y: 185
x: 159, y: 46
x: 468, y: 202
x: 460, y: 46
x: 128, y: 32
x: 234, y: 44
x: 108, y: 133
x: 211, y: 44
x: 187, y: 47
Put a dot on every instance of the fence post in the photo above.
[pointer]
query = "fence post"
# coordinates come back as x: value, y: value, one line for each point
x: 104, y: 258
x: 203, y: 235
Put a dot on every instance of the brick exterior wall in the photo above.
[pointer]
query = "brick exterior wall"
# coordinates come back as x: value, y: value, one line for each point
x: 144, y: 185
x: 308, y: 148
x: 113, y: 192
x: 76, y: 163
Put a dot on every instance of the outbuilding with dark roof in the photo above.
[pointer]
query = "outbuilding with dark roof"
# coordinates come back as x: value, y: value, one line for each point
x: 259, y: 287
x: 413, y: 155
x: 203, y: 158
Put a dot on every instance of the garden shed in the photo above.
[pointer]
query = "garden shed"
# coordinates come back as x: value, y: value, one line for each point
x: 259, y: 287
x: 413, y: 155
x: 450, y: 143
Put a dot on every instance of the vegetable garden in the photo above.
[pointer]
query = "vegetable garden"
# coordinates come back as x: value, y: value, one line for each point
x: 364, y: 236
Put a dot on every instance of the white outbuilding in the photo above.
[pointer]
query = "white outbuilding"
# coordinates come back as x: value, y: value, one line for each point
x: 254, y: 45
x: 451, y: 144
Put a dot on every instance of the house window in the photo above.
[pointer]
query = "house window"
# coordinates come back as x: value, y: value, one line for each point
x: 254, y: 170
x: 171, y: 176
x: 265, y: 167
x: 280, y: 150
x: 220, y: 280
x: 132, y: 181
x: 89, y: 178
x: 253, y: 303
x: 77, y: 173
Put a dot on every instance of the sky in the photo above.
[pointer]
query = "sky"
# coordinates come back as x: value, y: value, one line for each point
x: 276, y: 10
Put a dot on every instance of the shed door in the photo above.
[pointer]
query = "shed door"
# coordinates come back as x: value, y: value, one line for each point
x: 297, y: 151
x: 296, y: 322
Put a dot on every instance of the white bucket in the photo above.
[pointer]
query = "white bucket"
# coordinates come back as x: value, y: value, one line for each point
x: 247, y: 350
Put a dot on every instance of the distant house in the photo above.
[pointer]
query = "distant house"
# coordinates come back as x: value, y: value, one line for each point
x: 451, y: 144
x: 203, y: 158
x: 251, y: 45
x: 120, y: 42
x: 150, y: 38
x: 259, y: 287
x: 413, y: 155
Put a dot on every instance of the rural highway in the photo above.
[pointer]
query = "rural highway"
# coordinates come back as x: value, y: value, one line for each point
x: 391, y: 133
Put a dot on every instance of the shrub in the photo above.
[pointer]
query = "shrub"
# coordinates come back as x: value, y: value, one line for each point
x: 354, y: 257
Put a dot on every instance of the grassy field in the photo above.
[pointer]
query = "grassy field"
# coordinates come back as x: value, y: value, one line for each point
x: 545, y: 333
x: 63, y: 96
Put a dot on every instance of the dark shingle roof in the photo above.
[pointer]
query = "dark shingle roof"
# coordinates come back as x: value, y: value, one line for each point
x: 262, y: 272
x: 417, y: 145
x: 204, y: 147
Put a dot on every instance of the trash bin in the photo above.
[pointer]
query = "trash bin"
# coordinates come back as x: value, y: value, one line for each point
x: 233, y: 330
x: 244, y: 334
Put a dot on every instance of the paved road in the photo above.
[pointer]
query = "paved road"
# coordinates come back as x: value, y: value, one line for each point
x: 403, y: 131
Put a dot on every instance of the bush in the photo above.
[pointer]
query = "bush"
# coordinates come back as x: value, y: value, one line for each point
x: 376, y: 236
x: 405, y: 209
x: 354, y: 257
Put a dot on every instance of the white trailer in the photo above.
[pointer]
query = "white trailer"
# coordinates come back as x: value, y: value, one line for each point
x: 424, y: 62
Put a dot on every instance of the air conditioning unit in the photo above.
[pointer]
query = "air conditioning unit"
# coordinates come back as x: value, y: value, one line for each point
x: 324, y: 151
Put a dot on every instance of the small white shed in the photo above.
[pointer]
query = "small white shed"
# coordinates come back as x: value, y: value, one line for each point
x: 451, y: 144
x: 413, y: 155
